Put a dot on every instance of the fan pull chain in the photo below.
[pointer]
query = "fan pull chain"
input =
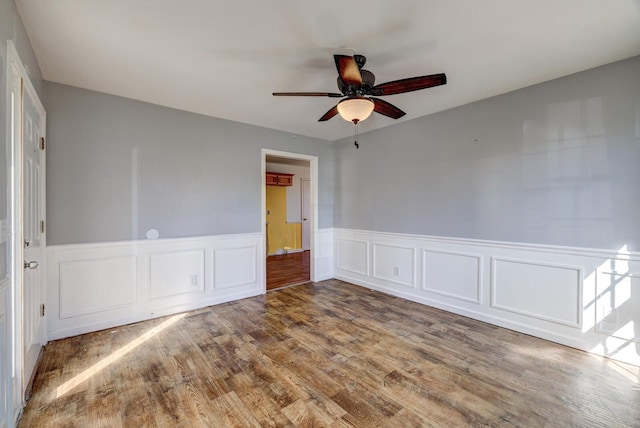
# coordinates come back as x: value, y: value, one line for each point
x: 355, y: 121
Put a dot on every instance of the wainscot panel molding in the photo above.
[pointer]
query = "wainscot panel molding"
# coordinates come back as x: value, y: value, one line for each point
x: 176, y: 273
x: 524, y: 287
x: 352, y: 256
x: 97, y: 285
x: 234, y: 267
x: 580, y: 297
x: 452, y: 274
x: 618, y: 304
x: 394, y: 264
x: 102, y: 285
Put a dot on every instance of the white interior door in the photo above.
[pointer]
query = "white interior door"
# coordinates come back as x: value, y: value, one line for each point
x: 10, y: 401
x: 22, y: 207
x: 306, y: 213
x: 33, y: 217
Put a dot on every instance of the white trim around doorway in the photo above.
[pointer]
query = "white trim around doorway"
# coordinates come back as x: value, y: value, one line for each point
x: 315, y: 262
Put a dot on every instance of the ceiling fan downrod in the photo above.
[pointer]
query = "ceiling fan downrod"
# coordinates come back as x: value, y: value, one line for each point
x: 355, y: 142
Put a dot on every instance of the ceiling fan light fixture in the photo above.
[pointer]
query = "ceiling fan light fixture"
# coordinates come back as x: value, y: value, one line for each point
x: 355, y: 109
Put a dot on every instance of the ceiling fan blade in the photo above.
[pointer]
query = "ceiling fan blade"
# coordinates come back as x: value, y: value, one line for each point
x: 348, y: 70
x: 387, y: 109
x: 308, y: 94
x: 328, y: 115
x: 409, y: 84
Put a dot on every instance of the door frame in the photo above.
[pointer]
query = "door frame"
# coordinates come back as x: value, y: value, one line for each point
x: 302, y: 209
x: 15, y: 158
x: 313, y: 212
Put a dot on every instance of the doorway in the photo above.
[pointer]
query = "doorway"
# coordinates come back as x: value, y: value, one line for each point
x: 289, y: 218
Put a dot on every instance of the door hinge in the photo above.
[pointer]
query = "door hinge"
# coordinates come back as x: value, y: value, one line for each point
x: 41, y: 309
x: 42, y: 143
x: 42, y: 228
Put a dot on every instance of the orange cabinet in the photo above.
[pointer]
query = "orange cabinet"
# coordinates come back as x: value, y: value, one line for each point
x: 272, y: 179
x: 279, y: 179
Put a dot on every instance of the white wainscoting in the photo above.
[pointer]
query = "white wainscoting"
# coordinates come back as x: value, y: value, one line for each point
x: 234, y: 267
x: 585, y: 298
x: 322, y: 262
x: 524, y: 287
x: 97, y: 286
x: 176, y: 273
x: 394, y: 264
x: 452, y: 274
x: 352, y: 256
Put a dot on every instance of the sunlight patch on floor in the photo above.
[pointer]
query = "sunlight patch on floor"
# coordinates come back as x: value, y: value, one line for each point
x: 115, y: 356
x: 629, y: 372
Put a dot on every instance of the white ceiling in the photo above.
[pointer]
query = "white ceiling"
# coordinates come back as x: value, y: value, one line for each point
x: 225, y: 58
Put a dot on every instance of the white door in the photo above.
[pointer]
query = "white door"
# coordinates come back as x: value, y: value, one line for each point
x: 33, y: 217
x: 306, y: 212
x: 22, y: 327
x: 10, y: 403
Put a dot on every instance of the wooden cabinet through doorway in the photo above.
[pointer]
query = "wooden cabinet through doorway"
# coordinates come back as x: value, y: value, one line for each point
x: 279, y: 179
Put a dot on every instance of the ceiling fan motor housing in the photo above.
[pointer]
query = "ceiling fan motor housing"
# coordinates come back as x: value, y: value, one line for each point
x: 368, y: 81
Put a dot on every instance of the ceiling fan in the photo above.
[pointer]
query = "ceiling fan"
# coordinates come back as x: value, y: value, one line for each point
x: 358, y: 88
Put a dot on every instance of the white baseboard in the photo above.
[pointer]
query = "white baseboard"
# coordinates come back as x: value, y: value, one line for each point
x: 561, y: 294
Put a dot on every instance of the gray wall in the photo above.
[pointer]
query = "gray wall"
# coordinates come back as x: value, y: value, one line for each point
x: 556, y: 163
x: 118, y: 167
x: 11, y: 28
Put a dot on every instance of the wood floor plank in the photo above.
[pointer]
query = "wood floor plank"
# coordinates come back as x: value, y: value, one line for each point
x: 328, y: 354
x: 288, y: 269
x: 232, y: 412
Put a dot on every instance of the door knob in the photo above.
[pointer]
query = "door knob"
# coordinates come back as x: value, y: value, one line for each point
x: 30, y: 265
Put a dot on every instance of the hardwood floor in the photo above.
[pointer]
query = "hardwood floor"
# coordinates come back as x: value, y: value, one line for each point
x: 288, y: 269
x: 326, y: 354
